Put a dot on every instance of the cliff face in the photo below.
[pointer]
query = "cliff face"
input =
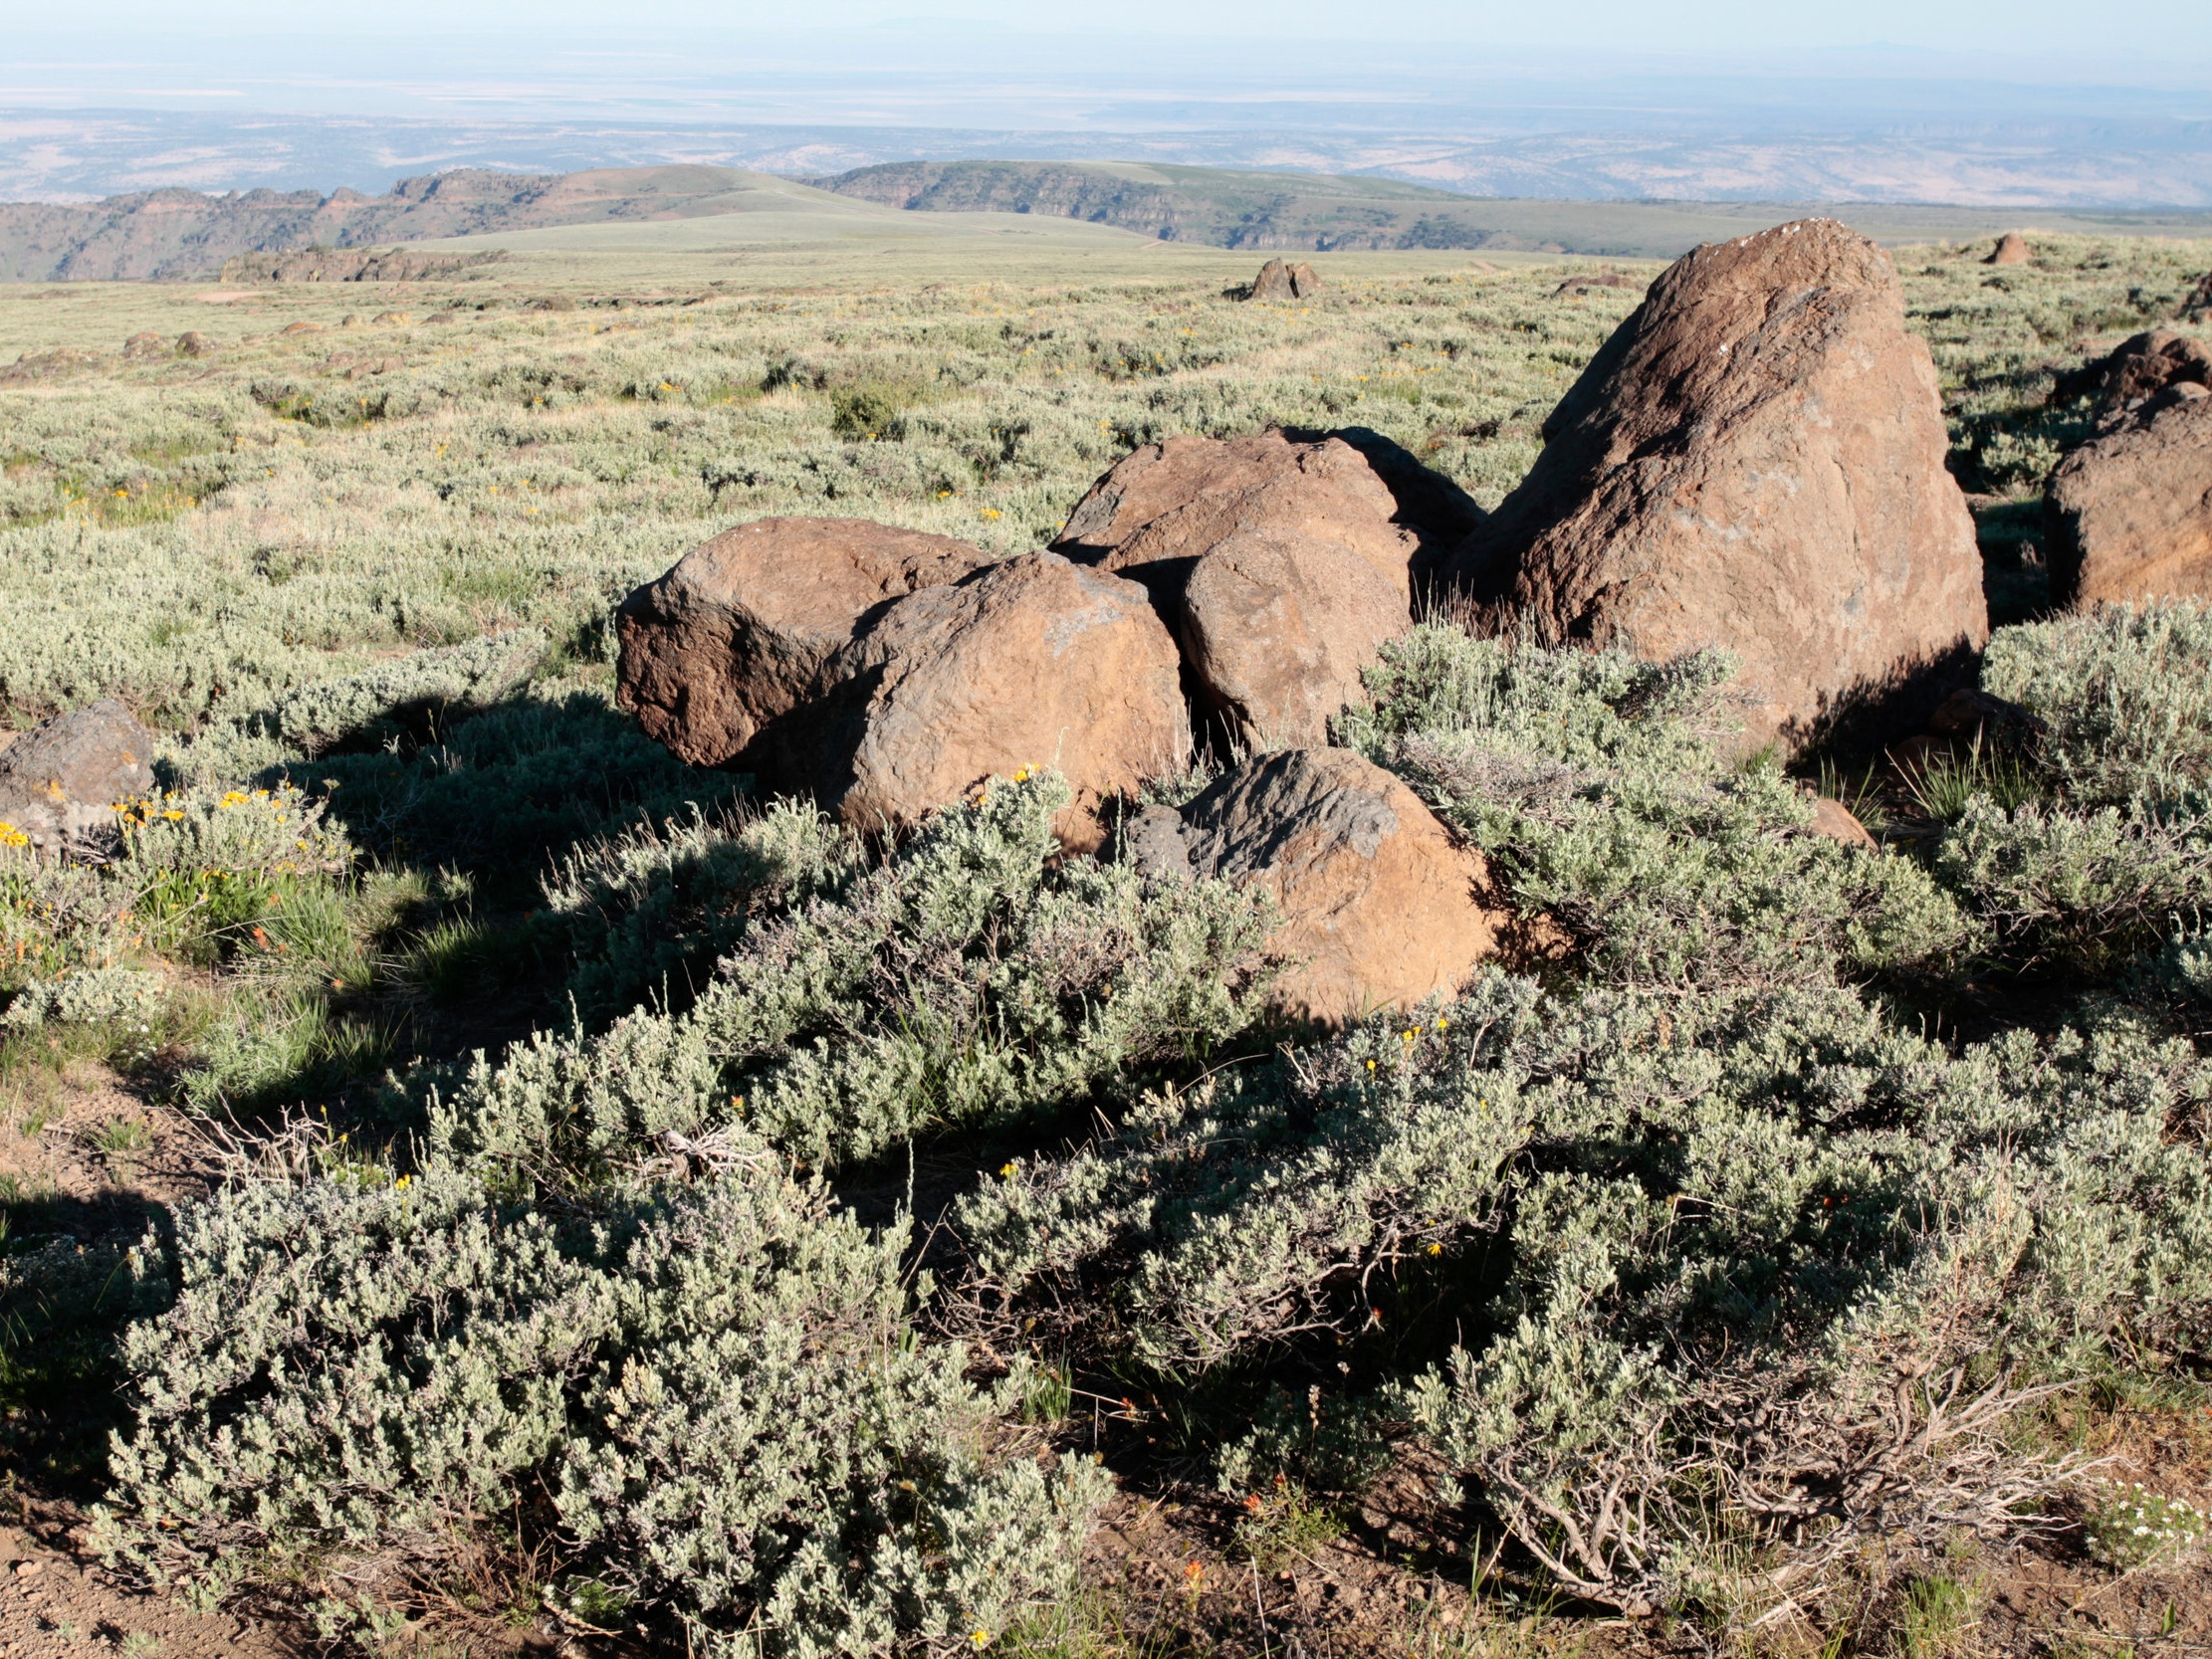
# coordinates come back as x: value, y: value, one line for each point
x: 1219, y: 207
x: 182, y: 233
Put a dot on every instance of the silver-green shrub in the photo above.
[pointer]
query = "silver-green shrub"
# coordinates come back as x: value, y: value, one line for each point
x: 2080, y: 888
x: 1596, y: 782
x: 2123, y: 693
x: 651, y: 908
x: 1688, y: 1239
x: 434, y: 687
x: 971, y: 978
x: 713, y: 1380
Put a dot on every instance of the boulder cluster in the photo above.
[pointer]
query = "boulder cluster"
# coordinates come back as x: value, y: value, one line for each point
x: 1754, y: 461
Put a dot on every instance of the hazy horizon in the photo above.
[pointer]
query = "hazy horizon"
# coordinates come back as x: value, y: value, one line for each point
x: 106, y: 105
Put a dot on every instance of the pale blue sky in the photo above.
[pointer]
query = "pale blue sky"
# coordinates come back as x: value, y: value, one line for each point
x: 2140, y: 29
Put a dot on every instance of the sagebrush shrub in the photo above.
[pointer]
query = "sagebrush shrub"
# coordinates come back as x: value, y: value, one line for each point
x: 2124, y: 696
x: 1593, y: 780
x: 649, y: 911
x: 712, y: 1382
x: 1636, y: 1219
x: 970, y: 979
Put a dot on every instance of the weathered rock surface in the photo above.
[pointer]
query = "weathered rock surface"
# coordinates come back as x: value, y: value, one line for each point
x: 1833, y: 821
x: 1276, y: 627
x: 2128, y: 516
x: 2135, y: 371
x: 1030, y: 662
x: 1380, y: 907
x: 2012, y: 248
x: 743, y: 630
x: 1163, y: 505
x: 2197, y: 307
x: 60, y: 781
x: 1280, y: 281
x: 1755, y: 461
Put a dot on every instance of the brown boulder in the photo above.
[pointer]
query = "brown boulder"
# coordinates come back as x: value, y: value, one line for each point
x: 1278, y: 281
x: 2012, y: 248
x: 743, y: 630
x: 194, y: 344
x: 1833, y: 821
x: 1755, y: 461
x: 1030, y: 662
x: 2197, y: 307
x: 1380, y: 907
x: 2128, y: 516
x: 2135, y: 371
x: 145, y: 345
x: 60, y: 782
x: 1166, y: 505
x: 1276, y: 627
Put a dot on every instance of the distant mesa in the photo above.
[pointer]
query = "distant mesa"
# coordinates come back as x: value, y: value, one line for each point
x: 1277, y: 280
x: 2012, y: 248
x: 350, y: 264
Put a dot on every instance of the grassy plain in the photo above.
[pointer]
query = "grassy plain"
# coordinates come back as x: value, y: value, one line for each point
x: 250, y: 542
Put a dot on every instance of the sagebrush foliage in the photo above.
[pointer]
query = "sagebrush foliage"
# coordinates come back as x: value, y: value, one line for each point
x: 713, y: 1384
x: 971, y: 980
x: 1621, y: 1201
x: 1594, y: 782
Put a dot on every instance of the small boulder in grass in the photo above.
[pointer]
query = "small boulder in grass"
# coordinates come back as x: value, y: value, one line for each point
x: 60, y: 782
x: 2012, y: 248
x: 1833, y: 821
x: 1279, y: 280
x: 2127, y: 516
x: 1380, y: 907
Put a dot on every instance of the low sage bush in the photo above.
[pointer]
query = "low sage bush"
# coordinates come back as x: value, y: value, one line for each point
x: 970, y: 979
x: 1593, y: 781
x: 650, y: 909
x: 2123, y: 693
x: 710, y: 1387
x: 1630, y: 1247
x: 2082, y: 889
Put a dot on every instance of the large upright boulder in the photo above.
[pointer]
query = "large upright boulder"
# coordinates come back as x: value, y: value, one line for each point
x: 60, y: 782
x: 743, y: 630
x: 1753, y: 460
x: 1278, y: 280
x: 1380, y: 908
x: 2127, y: 516
x: 1030, y: 662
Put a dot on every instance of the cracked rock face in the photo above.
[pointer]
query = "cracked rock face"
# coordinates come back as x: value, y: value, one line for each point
x: 1380, y: 908
x: 1755, y: 462
x: 60, y: 782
